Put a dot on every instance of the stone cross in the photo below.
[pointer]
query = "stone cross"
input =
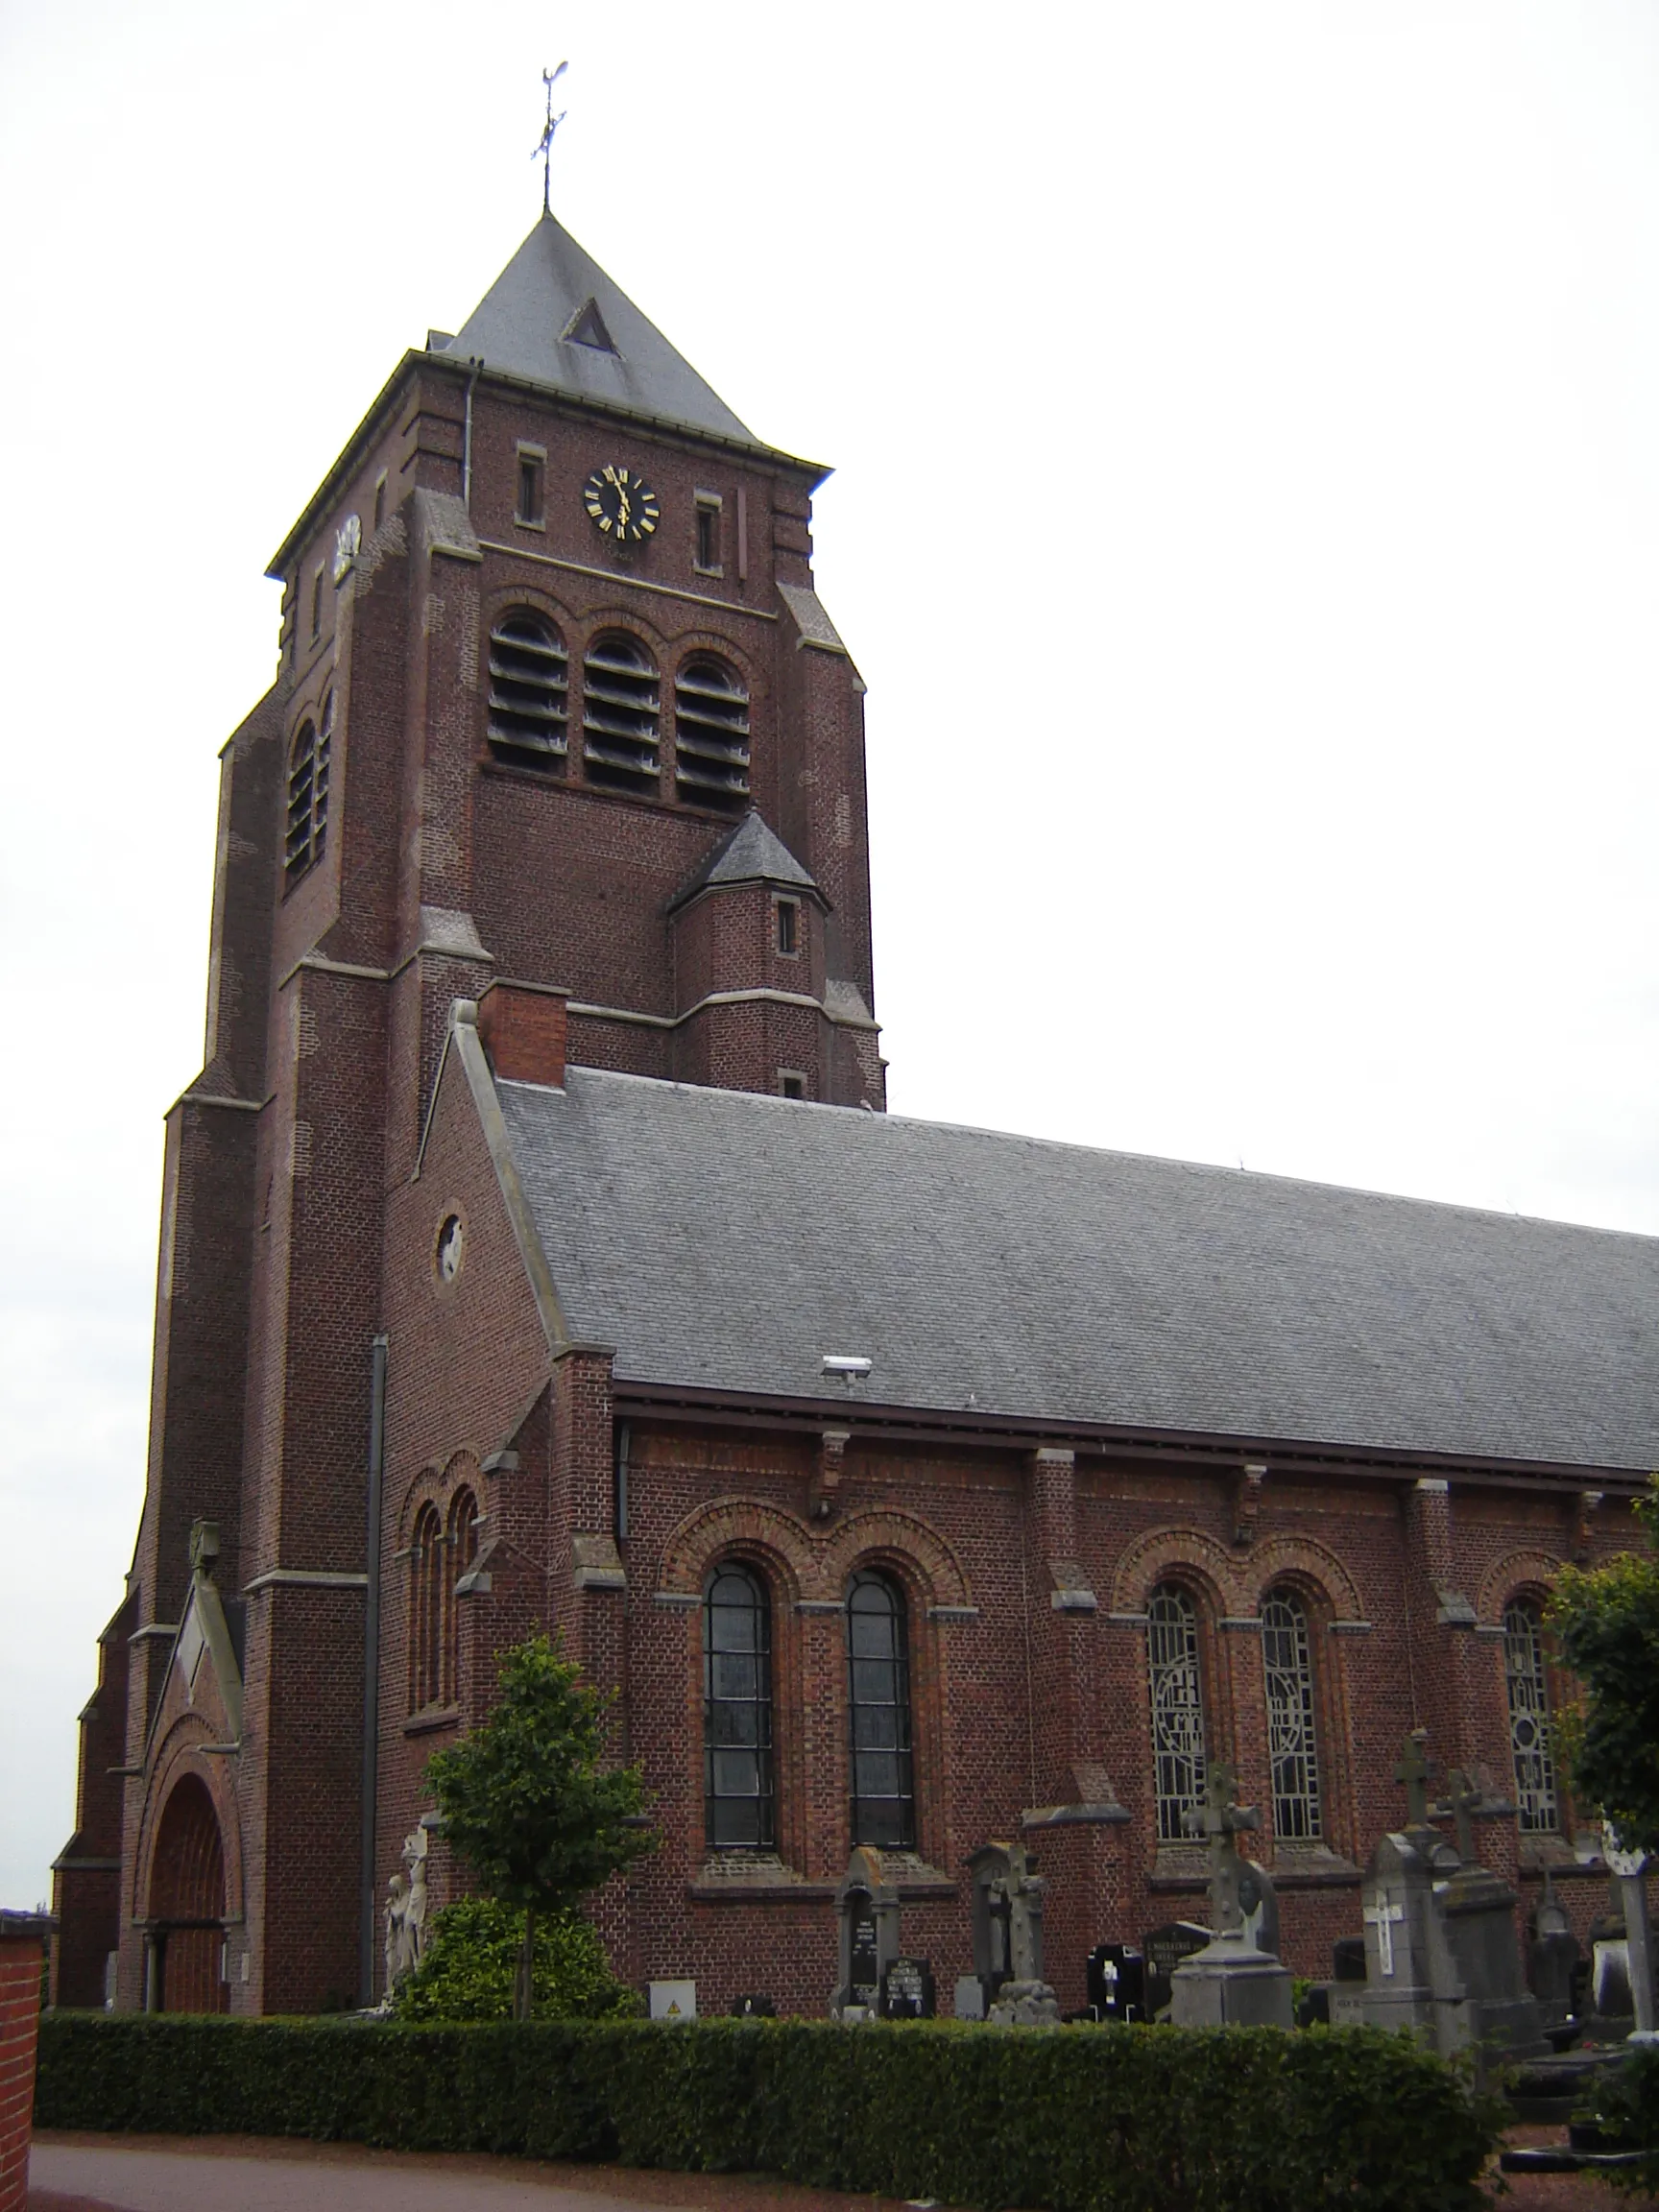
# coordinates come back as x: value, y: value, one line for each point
x: 1219, y: 1823
x: 1384, y: 1917
x: 1631, y: 1869
x: 1413, y: 1771
x: 1464, y: 1794
x: 1025, y: 1893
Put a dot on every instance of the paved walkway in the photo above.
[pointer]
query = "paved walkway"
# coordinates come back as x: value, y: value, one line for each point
x: 250, y: 2173
x: 254, y: 2173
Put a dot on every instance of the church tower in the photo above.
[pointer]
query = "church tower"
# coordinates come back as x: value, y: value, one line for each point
x: 561, y: 729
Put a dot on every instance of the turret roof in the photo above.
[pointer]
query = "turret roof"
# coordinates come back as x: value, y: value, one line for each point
x: 749, y: 853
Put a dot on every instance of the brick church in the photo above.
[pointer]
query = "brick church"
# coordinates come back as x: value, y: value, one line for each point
x: 536, y: 1251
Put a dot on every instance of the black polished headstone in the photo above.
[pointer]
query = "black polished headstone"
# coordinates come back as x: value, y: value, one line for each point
x: 753, y: 2008
x: 1348, y: 1958
x: 1163, y: 1950
x: 1117, y: 1982
x: 865, y: 1972
x: 908, y: 1990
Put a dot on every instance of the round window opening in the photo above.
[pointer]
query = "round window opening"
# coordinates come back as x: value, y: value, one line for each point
x: 451, y: 1248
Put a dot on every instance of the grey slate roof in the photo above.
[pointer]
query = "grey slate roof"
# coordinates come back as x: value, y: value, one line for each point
x: 728, y: 1240
x: 749, y: 853
x: 519, y: 326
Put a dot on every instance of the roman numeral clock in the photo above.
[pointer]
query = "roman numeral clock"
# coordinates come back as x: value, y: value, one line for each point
x: 622, y: 504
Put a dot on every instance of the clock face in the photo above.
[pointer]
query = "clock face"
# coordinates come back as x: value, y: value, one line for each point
x: 621, y: 503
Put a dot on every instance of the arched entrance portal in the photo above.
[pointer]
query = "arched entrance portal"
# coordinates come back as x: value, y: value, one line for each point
x: 187, y: 1904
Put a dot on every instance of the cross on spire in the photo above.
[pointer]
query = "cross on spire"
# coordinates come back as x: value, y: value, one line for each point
x: 544, y: 146
x: 1413, y: 1771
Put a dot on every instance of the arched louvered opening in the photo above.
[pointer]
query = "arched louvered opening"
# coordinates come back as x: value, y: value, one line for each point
x: 529, y: 688
x: 878, y: 1707
x: 1535, y: 1791
x: 738, y: 1786
x: 187, y: 1903
x: 620, y: 706
x: 462, y: 1551
x: 1293, y: 1728
x: 426, y: 1610
x: 712, y: 734
x: 1177, y: 1684
x: 307, y: 825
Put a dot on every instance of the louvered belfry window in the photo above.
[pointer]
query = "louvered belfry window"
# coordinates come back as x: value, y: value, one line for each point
x: 737, y: 1711
x: 878, y: 1703
x: 620, y: 706
x: 1530, y: 1719
x: 712, y: 734
x: 1177, y: 1709
x: 529, y: 686
x: 308, y: 823
x: 1292, y: 1745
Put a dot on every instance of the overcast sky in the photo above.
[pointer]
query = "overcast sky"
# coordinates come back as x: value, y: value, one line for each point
x: 1247, y: 520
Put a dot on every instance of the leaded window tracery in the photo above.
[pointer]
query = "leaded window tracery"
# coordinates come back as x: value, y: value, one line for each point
x: 1177, y: 1684
x: 738, y: 1787
x: 1292, y: 1726
x: 1535, y: 1790
x: 879, y: 1704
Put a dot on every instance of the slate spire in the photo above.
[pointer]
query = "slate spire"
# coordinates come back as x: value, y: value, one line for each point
x: 555, y: 317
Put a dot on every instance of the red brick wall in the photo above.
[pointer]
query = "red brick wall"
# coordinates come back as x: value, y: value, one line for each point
x: 19, y: 2024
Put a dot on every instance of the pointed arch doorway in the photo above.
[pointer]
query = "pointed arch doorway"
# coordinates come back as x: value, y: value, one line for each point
x: 186, y: 1917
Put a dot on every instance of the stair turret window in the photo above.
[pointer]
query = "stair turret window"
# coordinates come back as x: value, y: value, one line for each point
x: 529, y: 689
x: 620, y: 708
x: 712, y: 734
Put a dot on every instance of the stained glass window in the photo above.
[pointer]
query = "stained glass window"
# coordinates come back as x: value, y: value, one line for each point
x: 1177, y: 1708
x: 1292, y: 1732
x: 1530, y: 1719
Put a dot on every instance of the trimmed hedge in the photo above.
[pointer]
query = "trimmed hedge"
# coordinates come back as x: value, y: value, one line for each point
x: 1071, y: 2119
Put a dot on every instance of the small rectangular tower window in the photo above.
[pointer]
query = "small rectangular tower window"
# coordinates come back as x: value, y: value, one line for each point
x: 707, y: 555
x: 790, y: 1084
x: 532, y: 468
x: 379, y: 500
x: 789, y: 927
x: 316, y: 606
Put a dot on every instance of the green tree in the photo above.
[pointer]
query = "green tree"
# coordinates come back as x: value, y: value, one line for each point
x: 528, y: 1802
x: 469, y: 1970
x: 1606, y: 1623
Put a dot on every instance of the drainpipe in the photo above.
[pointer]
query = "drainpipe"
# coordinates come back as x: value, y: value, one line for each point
x: 467, y: 441
x: 371, y: 1780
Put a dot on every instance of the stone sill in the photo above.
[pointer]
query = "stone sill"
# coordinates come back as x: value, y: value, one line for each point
x: 435, y: 1716
x: 761, y: 1883
x: 1321, y: 1872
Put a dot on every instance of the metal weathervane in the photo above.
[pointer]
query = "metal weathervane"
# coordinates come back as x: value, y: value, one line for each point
x: 549, y: 78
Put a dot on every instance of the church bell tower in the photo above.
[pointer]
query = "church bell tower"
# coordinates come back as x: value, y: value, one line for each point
x: 560, y: 727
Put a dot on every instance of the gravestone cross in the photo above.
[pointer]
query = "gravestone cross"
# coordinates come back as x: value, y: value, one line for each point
x: 1462, y: 1795
x: 1631, y: 1869
x: 1220, y: 1823
x: 1385, y: 1918
x: 1413, y: 1771
x: 1025, y: 1892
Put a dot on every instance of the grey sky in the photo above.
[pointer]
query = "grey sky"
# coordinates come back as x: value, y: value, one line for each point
x: 1245, y: 521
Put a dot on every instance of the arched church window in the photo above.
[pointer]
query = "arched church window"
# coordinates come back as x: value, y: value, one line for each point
x: 1177, y: 1683
x: 1530, y: 1718
x: 621, y: 704
x: 461, y: 1548
x: 738, y: 1786
x: 307, y: 826
x: 529, y: 685
x: 712, y: 734
x: 1292, y: 1733
x: 878, y: 1706
x: 426, y: 1610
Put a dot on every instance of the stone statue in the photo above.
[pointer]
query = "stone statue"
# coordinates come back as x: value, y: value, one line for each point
x: 414, y: 1921
x: 396, y: 1926
x: 406, y: 1914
